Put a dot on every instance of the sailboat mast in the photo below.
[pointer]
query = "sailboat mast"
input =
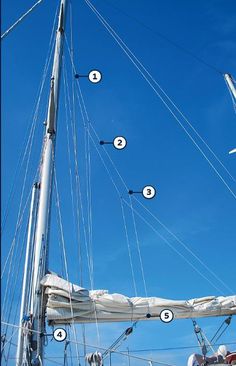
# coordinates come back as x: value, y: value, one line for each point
x: 41, y: 242
x: 24, y: 309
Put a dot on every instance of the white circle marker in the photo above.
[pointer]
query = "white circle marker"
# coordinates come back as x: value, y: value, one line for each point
x: 166, y: 316
x: 148, y: 192
x: 95, y: 76
x: 119, y: 142
x: 59, y: 334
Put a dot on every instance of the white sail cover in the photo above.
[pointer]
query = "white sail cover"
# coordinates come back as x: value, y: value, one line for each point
x: 66, y: 301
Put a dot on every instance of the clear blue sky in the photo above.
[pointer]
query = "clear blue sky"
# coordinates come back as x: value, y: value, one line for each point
x: 191, y: 200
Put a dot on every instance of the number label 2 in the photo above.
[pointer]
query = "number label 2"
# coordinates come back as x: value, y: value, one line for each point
x: 119, y: 142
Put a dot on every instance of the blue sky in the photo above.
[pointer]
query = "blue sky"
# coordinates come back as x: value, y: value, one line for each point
x: 191, y: 200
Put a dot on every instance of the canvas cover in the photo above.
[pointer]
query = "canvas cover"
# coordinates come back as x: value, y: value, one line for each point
x: 66, y: 301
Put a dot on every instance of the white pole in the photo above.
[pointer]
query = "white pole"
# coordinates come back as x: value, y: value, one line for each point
x: 27, y: 271
x: 44, y: 208
x: 229, y: 80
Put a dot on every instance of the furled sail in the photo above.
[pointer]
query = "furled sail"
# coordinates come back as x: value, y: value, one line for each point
x: 66, y: 301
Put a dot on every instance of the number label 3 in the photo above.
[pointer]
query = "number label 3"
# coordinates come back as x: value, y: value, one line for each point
x: 148, y: 192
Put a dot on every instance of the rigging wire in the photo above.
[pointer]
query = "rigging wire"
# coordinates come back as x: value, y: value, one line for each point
x: 10, y: 304
x: 103, y: 349
x: 73, y: 129
x: 35, y: 117
x: 185, y: 246
x: 161, y: 223
x: 120, y: 175
x: 79, y: 198
x: 132, y: 350
x: 118, y: 192
x: 78, y: 190
x: 162, y: 237
x: 172, y: 247
x: 20, y: 19
x: 65, y: 259
x: 138, y: 246
x: 129, y: 249
x: 88, y: 186
x: 139, y: 66
x: 13, y: 256
x: 170, y: 41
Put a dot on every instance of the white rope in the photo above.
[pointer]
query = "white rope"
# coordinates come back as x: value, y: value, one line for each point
x: 20, y: 19
x: 136, y: 63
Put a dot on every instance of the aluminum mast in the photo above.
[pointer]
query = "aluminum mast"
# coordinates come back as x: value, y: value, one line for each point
x: 37, y: 312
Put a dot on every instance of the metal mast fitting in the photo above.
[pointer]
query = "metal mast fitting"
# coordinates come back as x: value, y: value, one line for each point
x: 41, y: 235
x: 230, y: 83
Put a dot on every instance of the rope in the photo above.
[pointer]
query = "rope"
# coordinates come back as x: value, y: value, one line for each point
x: 20, y: 19
x: 140, y: 68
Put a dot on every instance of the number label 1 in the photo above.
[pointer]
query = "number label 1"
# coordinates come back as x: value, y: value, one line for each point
x: 166, y: 316
x: 59, y: 334
x: 119, y: 142
x: 148, y: 192
x: 95, y: 76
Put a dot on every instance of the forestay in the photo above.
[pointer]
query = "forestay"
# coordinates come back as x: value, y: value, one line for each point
x: 66, y: 301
